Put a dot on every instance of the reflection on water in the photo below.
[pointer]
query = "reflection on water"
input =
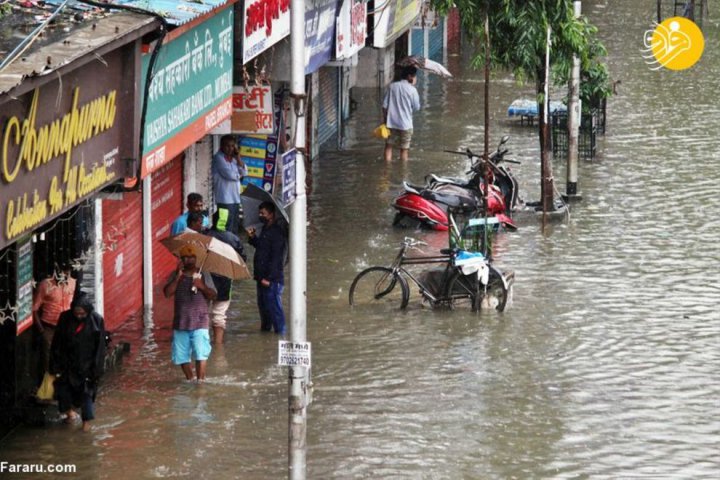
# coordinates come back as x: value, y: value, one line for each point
x: 607, y: 366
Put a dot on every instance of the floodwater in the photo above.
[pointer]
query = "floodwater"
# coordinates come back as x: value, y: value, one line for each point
x: 607, y: 365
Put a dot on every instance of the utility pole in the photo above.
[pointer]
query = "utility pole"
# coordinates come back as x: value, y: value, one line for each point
x: 546, y: 182
x: 297, y: 399
x: 486, y: 147
x: 573, y: 123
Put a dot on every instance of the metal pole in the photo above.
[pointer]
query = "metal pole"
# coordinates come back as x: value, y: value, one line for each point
x: 659, y: 11
x: 573, y: 123
x: 546, y: 181
x: 486, y: 151
x: 297, y: 400
x: 147, y: 242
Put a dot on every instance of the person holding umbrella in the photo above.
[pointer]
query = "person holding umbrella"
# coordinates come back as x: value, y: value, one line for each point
x: 191, y: 321
x: 223, y: 284
x: 270, y: 247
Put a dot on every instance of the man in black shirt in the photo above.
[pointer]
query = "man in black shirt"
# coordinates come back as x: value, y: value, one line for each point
x: 270, y: 247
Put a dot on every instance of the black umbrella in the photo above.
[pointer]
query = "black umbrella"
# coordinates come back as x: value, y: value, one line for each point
x: 251, y: 199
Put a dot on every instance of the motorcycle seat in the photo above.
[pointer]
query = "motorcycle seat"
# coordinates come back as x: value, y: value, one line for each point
x: 454, y: 181
x: 449, y: 199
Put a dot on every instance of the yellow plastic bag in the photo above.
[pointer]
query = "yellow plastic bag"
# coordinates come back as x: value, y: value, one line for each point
x: 47, y: 387
x: 382, y: 132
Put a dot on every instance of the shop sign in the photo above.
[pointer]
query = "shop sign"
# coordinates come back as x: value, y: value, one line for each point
x: 191, y: 89
x: 289, y: 174
x: 350, y: 28
x: 252, y: 110
x: 62, y: 142
x: 265, y: 22
x: 319, y: 34
x: 259, y: 154
x: 24, y: 282
x: 394, y: 21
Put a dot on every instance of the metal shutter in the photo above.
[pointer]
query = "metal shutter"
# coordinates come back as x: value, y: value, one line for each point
x: 122, y: 258
x: 167, y: 205
x: 327, y: 105
x: 417, y: 42
x: 435, y: 42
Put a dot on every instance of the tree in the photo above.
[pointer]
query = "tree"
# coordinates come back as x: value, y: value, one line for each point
x: 518, y: 38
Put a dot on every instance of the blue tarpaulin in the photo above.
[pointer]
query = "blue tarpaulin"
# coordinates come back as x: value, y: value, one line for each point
x: 175, y: 12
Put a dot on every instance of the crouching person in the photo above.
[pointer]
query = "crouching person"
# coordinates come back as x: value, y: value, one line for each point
x: 77, y: 359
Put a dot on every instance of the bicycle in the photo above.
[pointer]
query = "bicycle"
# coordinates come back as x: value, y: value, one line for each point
x: 376, y: 285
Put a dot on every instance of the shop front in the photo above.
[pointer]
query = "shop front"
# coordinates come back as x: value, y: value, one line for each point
x: 65, y: 138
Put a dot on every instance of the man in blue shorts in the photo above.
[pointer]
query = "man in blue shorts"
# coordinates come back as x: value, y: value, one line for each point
x: 192, y: 290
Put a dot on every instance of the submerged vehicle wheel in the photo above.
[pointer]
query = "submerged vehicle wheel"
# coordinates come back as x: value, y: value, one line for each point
x: 463, y: 292
x: 376, y: 286
x: 496, y: 292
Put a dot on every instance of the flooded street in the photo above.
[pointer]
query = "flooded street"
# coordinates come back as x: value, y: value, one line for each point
x: 607, y: 364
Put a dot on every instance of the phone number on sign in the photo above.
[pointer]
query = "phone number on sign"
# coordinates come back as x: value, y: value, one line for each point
x: 292, y: 361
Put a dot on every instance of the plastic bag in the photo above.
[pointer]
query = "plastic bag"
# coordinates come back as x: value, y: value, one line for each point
x: 382, y: 132
x: 47, y: 387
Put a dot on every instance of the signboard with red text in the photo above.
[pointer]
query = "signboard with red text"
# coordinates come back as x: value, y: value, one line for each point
x: 252, y: 110
x: 265, y: 22
x: 351, y: 28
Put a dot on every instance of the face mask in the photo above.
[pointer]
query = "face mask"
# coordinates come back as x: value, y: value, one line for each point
x: 264, y: 220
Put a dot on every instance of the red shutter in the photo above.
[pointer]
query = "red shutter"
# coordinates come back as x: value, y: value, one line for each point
x: 122, y: 258
x: 167, y: 204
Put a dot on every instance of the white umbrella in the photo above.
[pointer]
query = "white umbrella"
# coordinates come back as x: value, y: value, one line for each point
x: 212, y: 255
x: 425, y: 64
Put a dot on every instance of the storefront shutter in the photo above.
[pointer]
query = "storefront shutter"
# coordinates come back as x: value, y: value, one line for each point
x: 435, y: 42
x: 328, y: 105
x: 417, y: 42
x: 122, y: 258
x: 167, y: 204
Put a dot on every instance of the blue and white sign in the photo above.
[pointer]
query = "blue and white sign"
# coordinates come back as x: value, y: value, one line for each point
x: 288, y: 177
x: 319, y: 34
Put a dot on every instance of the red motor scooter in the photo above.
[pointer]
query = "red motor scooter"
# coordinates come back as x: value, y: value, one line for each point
x: 428, y: 204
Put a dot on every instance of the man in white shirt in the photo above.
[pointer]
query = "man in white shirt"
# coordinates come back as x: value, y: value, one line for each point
x: 401, y: 100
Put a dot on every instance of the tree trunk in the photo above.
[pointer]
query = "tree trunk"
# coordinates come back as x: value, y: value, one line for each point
x: 547, y: 187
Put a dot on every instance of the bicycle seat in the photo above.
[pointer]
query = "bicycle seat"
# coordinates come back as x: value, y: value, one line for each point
x: 450, y: 251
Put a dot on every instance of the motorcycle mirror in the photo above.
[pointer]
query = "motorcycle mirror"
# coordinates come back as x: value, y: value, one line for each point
x: 504, y: 139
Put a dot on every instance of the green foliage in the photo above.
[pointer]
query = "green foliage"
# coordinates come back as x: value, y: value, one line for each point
x: 5, y: 8
x: 517, y: 40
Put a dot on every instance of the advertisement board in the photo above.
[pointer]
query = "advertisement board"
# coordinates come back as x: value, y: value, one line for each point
x: 191, y: 89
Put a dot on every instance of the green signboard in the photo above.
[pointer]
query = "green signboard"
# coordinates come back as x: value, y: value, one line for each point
x: 23, y: 314
x: 191, y: 90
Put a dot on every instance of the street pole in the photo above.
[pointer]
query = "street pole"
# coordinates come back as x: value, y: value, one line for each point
x: 546, y: 181
x: 486, y: 152
x: 297, y: 406
x: 573, y: 123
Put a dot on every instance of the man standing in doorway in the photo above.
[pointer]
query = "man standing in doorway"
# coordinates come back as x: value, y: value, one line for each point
x: 401, y: 100
x: 192, y: 291
x: 227, y: 173
x: 270, y: 247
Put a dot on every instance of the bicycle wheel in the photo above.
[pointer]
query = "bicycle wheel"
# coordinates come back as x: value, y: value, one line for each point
x: 496, y: 292
x: 463, y: 291
x: 376, y: 286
